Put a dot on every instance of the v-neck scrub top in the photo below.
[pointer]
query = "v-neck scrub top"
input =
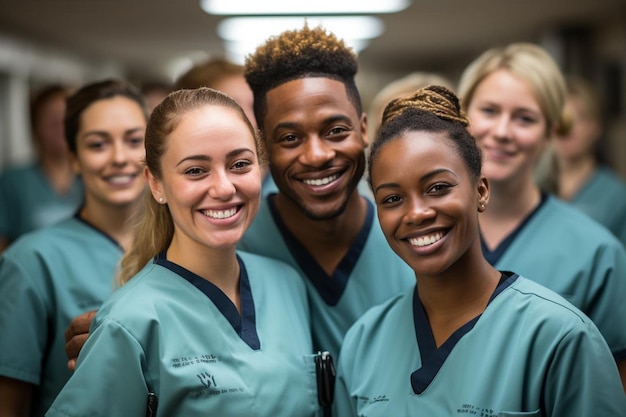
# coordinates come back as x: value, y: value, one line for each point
x: 47, y: 278
x: 369, y: 274
x: 170, y: 332
x: 603, y: 198
x: 566, y: 251
x: 530, y: 353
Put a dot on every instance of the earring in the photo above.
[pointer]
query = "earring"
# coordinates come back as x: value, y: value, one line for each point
x: 482, y: 206
x: 161, y: 200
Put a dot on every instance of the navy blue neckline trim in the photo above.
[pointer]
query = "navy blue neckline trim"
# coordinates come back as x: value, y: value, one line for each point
x: 433, y: 358
x: 494, y: 256
x: 244, y: 325
x: 330, y: 288
x: 78, y: 217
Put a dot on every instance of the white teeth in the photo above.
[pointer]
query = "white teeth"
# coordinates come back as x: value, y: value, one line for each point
x: 220, y: 214
x: 120, y: 179
x: 321, y: 181
x: 426, y: 240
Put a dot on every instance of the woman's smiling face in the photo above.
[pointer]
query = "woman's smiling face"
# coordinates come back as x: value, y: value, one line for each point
x: 211, y: 178
x: 427, y: 201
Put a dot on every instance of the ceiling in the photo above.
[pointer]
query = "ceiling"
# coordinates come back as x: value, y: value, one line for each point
x: 145, y: 36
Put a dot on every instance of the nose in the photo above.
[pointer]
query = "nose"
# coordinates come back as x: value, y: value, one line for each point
x: 419, y: 212
x: 220, y: 186
x: 502, y: 127
x: 120, y: 153
x: 316, y: 152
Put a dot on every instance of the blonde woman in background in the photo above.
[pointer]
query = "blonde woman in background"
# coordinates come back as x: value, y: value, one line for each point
x: 514, y: 98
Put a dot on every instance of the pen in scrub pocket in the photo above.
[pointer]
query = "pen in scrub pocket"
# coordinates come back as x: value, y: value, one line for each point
x: 151, y: 410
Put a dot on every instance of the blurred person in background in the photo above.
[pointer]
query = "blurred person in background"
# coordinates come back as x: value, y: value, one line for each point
x: 49, y: 276
x: 579, y: 173
x: 154, y: 92
x: 401, y: 87
x: 514, y: 98
x: 48, y: 190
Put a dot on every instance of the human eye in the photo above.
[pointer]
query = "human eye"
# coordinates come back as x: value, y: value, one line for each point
x: 242, y: 165
x: 527, y: 119
x: 439, y: 188
x: 390, y: 200
x: 136, y: 141
x: 288, y: 139
x: 337, y: 130
x: 194, y: 171
x: 488, y: 110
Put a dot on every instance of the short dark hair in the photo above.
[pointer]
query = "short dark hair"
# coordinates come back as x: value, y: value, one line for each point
x: 296, y: 54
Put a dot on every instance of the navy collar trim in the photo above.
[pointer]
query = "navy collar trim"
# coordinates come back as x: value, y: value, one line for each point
x: 494, y: 256
x: 78, y: 217
x: 330, y: 288
x: 244, y: 324
x: 433, y: 358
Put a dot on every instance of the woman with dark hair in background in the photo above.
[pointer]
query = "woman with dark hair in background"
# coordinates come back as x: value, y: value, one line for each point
x: 49, y: 276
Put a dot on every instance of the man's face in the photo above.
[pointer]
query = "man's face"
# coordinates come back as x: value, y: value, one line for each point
x: 316, y: 142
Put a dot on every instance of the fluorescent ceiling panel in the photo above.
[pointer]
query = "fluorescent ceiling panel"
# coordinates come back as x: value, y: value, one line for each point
x: 242, y: 35
x: 302, y: 7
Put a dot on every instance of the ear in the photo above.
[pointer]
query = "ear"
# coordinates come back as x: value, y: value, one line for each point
x: 364, y: 135
x: 156, y: 187
x: 74, y: 163
x: 483, y: 194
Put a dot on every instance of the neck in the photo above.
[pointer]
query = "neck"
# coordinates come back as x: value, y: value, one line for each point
x: 507, y: 209
x: 58, y: 171
x: 326, y: 240
x: 112, y: 220
x: 219, y: 266
x: 573, y: 174
x: 456, y: 297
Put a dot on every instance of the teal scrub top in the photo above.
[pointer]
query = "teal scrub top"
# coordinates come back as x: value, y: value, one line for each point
x: 47, y: 278
x: 28, y: 202
x: 566, y: 251
x: 369, y: 274
x: 172, y: 333
x: 603, y: 198
x: 530, y: 353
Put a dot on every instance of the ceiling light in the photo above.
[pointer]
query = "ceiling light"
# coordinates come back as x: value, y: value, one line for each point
x: 244, y: 34
x: 301, y: 7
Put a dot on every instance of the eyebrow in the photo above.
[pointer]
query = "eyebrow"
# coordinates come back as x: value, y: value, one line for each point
x: 104, y: 133
x: 331, y: 119
x: 207, y: 158
x: 422, y: 179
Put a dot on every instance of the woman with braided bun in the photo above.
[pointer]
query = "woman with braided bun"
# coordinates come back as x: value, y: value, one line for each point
x: 468, y: 339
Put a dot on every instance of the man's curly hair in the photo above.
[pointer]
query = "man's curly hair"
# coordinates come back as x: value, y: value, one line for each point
x: 298, y: 54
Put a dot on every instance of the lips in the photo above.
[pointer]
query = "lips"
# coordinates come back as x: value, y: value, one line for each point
x: 221, y: 214
x: 321, y: 181
x: 120, y: 179
x: 426, y: 240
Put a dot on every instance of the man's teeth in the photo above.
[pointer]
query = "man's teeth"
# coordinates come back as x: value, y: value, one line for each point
x: 321, y: 181
x: 220, y: 214
x: 121, y: 179
x: 426, y: 240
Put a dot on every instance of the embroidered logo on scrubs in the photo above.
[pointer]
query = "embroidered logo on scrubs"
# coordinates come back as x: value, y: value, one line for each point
x: 207, y: 379
x: 473, y: 410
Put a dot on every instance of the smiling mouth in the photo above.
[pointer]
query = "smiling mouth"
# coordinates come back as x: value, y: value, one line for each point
x: 221, y: 214
x: 120, y: 179
x: 321, y: 181
x: 426, y: 240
